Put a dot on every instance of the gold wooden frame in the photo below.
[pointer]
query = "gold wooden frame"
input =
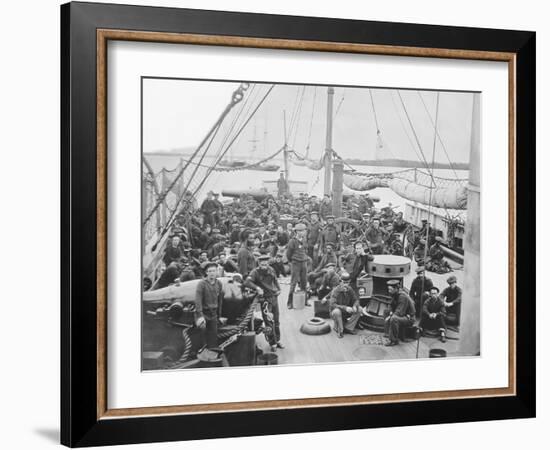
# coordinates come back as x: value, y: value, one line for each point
x: 104, y: 35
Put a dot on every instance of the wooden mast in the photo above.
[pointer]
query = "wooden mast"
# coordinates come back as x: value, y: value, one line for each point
x: 285, y: 151
x: 328, y: 147
x: 470, y: 307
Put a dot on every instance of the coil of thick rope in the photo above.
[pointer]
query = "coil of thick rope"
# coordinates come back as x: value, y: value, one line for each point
x: 229, y: 336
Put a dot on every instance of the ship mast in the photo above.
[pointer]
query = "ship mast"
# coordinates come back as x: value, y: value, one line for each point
x: 285, y: 151
x: 328, y: 147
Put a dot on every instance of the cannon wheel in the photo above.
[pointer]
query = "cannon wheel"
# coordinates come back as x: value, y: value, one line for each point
x: 350, y: 229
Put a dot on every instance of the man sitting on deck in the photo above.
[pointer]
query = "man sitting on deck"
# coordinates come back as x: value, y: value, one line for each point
x: 437, y: 262
x: 315, y: 277
x: 453, y: 299
x: 433, y: 314
x: 401, y: 313
x: 329, y: 281
x: 344, y: 307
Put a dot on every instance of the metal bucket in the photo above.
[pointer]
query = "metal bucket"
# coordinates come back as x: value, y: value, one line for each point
x: 438, y: 353
x: 299, y: 300
x: 267, y: 359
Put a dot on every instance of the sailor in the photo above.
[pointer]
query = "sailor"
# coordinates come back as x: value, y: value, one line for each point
x: 375, y: 236
x: 329, y: 281
x: 227, y: 264
x: 419, y: 286
x: 282, y: 185
x: 278, y: 265
x: 186, y: 274
x: 420, y: 251
x: 314, y: 231
x: 401, y: 312
x: 208, y: 208
x: 433, y: 314
x: 245, y: 256
x: 173, y: 251
x: 399, y: 225
x: 169, y: 276
x: 235, y: 233
x: 344, y: 307
x: 437, y: 262
x: 325, y: 209
x: 208, y: 305
x: 356, y: 261
x: 453, y: 300
x: 330, y: 234
x: 264, y: 281
x: 298, y: 259
x: 315, y: 277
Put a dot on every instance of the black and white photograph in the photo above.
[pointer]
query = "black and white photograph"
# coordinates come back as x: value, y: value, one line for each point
x: 306, y: 224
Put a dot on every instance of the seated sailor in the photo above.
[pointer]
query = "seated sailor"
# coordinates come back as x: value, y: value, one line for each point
x: 433, y: 314
x: 400, y: 314
x: 344, y: 307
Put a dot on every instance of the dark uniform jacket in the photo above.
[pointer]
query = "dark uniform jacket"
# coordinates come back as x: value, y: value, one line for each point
x: 433, y: 305
x: 245, y: 260
x: 313, y: 235
x: 208, y: 206
x: 342, y: 297
x: 416, y: 290
x: 326, y: 258
x: 402, y: 305
x: 172, y: 254
x: 330, y: 280
x: 452, y: 295
x: 208, y: 298
x: 374, y: 235
x: 329, y: 235
x: 296, y: 251
x: 265, y: 279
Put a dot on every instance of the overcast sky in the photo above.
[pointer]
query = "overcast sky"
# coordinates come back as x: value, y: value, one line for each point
x: 178, y: 113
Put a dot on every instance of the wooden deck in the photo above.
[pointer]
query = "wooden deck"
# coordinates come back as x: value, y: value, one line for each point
x: 304, y: 349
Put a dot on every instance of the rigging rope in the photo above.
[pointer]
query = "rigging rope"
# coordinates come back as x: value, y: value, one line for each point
x: 429, y: 209
x: 311, y: 121
x: 437, y: 133
x: 374, y: 112
x: 416, y: 137
x: 248, y: 166
x: 402, y: 123
x: 236, y: 97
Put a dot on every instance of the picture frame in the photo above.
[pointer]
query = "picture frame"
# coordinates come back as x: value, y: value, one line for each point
x: 86, y: 418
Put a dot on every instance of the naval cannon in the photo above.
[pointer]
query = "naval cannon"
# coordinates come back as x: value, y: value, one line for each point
x: 170, y: 339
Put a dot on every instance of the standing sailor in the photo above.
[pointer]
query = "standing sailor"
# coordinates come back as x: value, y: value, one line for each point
x: 297, y: 257
x: 330, y: 234
x: 264, y: 281
x: 282, y: 185
x: 208, y: 305
x: 419, y: 286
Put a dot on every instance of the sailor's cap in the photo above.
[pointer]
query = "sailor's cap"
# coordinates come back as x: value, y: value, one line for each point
x: 393, y: 283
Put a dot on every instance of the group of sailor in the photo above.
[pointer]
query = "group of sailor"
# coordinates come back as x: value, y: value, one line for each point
x: 297, y: 236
